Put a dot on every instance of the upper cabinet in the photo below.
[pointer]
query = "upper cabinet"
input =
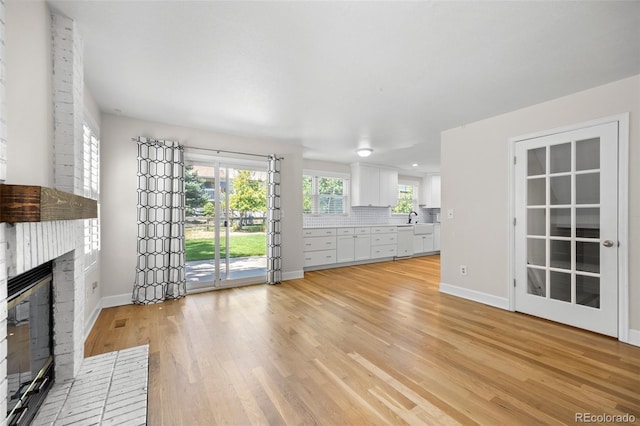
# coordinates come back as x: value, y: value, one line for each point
x: 373, y: 185
x: 431, y: 191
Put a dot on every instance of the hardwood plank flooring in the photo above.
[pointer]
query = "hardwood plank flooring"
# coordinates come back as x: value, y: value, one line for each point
x: 373, y: 344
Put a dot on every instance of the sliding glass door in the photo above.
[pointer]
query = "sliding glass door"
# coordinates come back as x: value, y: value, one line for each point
x: 225, y: 227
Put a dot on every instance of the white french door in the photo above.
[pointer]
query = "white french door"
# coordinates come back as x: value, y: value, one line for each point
x: 566, y: 233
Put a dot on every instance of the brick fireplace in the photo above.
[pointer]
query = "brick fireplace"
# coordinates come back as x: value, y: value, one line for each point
x: 26, y: 245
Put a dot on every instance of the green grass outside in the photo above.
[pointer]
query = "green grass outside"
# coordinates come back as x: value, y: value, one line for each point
x: 240, y: 245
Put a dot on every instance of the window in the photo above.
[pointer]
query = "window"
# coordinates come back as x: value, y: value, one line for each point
x: 91, y: 184
x: 407, y: 198
x: 324, y: 194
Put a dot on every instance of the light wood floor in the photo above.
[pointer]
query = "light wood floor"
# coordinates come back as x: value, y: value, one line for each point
x: 374, y: 344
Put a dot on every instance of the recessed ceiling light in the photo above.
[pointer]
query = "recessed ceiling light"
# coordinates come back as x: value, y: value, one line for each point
x: 364, y: 152
x: 414, y: 165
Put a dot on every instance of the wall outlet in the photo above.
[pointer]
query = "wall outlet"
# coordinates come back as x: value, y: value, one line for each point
x: 463, y: 270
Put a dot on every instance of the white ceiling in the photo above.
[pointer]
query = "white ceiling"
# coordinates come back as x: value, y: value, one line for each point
x: 334, y: 76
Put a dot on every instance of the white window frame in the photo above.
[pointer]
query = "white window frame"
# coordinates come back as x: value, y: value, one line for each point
x: 315, y: 196
x: 91, y: 188
x: 414, y: 204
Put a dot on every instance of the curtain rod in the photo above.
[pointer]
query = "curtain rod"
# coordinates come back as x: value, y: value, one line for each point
x: 218, y: 151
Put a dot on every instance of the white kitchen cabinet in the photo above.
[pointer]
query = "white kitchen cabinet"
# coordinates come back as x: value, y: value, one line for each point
x: 436, y: 237
x: 320, y: 246
x: 431, y: 191
x: 373, y: 185
x: 423, y: 243
x: 354, y: 244
x: 384, y: 241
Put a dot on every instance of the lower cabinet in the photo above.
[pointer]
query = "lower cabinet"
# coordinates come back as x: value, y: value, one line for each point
x: 423, y: 243
x: 384, y: 241
x: 319, y: 247
x: 354, y: 244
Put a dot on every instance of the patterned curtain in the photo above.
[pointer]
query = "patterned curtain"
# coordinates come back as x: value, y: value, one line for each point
x: 160, y: 271
x: 274, y: 259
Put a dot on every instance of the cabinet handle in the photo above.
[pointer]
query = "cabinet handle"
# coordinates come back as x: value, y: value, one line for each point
x: 328, y: 257
x: 307, y: 258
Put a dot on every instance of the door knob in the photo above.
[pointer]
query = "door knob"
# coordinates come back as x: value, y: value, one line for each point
x: 607, y: 243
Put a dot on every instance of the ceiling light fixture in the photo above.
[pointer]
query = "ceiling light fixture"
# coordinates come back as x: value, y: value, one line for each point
x: 414, y: 165
x: 364, y: 152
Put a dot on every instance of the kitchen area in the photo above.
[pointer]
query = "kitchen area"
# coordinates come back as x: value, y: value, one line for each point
x: 370, y: 231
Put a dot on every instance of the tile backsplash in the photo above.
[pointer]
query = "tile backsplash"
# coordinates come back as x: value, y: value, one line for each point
x: 360, y: 216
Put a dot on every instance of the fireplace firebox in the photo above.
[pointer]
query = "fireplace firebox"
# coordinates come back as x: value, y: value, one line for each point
x: 30, y: 368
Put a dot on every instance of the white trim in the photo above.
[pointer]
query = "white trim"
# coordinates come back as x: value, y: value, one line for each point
x: 322, y: 173
x: 624, y: 299
x: 293, y: 275
x: 92, y: 319
x: 633, y: 337
x: 116, y: 300
x: 625, y: 334
x: 476, y: 296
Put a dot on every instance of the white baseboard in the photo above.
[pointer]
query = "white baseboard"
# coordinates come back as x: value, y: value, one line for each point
x: 476, y: 296
x: 293, y: 275
x: 117, y: 300
x: 92, y: 319
x: 633, y: 337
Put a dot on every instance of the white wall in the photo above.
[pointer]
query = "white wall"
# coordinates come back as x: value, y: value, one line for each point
x: 92, y: 274
x: 475, y: 183
x: 29, y: 90
x: 119, y: 197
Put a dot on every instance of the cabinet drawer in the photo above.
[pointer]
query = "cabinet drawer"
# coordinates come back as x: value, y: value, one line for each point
x: 345, y: 231
x: 381, y: 239
x: 387, y: 250
x: 362, y: 230
x: 384, y: 229
x: 318, y: 232
x: 319, y: 243
x: 322, y: 257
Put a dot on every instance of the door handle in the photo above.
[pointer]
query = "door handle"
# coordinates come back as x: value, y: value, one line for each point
x: 607, y: 243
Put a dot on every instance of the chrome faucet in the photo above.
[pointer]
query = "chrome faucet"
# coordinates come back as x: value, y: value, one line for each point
x: 410, y: 216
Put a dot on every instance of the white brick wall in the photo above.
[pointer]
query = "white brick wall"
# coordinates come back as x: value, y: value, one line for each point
x: 3, y: 244
x: 26, y: 245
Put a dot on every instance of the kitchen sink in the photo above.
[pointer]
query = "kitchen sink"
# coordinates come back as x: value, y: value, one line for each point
x: 422, y: 228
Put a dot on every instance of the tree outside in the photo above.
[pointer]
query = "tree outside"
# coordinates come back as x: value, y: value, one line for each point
x: 195, y: 194
x: 405, y: 199
x: 249, y: 195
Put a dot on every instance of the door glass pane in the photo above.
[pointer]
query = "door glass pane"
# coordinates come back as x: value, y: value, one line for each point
x: 588, y: 188
x: 588, y: 291
x: 536, y: 282
x: 560, y: 254
x: 560, y: 158
x: 588, y: 257
x: 536, y: 221
x: 588, y: 154
x: 560, y: 190
x: 536, y: 161
x: 560, y: 286
x: 536, y: 192
x: 536, y: 251
x: 588, y: 222
x: 560, y: 222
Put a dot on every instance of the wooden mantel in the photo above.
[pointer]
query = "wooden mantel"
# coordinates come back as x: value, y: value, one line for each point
x: 27, y: 203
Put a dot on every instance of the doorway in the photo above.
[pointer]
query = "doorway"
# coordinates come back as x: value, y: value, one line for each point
x: 566, y: 233
x: 225, y: 229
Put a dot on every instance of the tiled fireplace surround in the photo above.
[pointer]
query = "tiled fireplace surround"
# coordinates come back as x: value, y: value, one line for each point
x: 26, y: 245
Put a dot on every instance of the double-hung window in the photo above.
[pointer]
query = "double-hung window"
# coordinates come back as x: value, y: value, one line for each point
x: 324, y: 193
x: 407, y: 197
x: 91, y: 186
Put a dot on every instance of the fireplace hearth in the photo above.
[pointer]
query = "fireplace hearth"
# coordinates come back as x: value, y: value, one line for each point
x: 30, y: 363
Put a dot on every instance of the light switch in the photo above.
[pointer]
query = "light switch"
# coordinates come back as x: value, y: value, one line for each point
x: 450, y: 214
